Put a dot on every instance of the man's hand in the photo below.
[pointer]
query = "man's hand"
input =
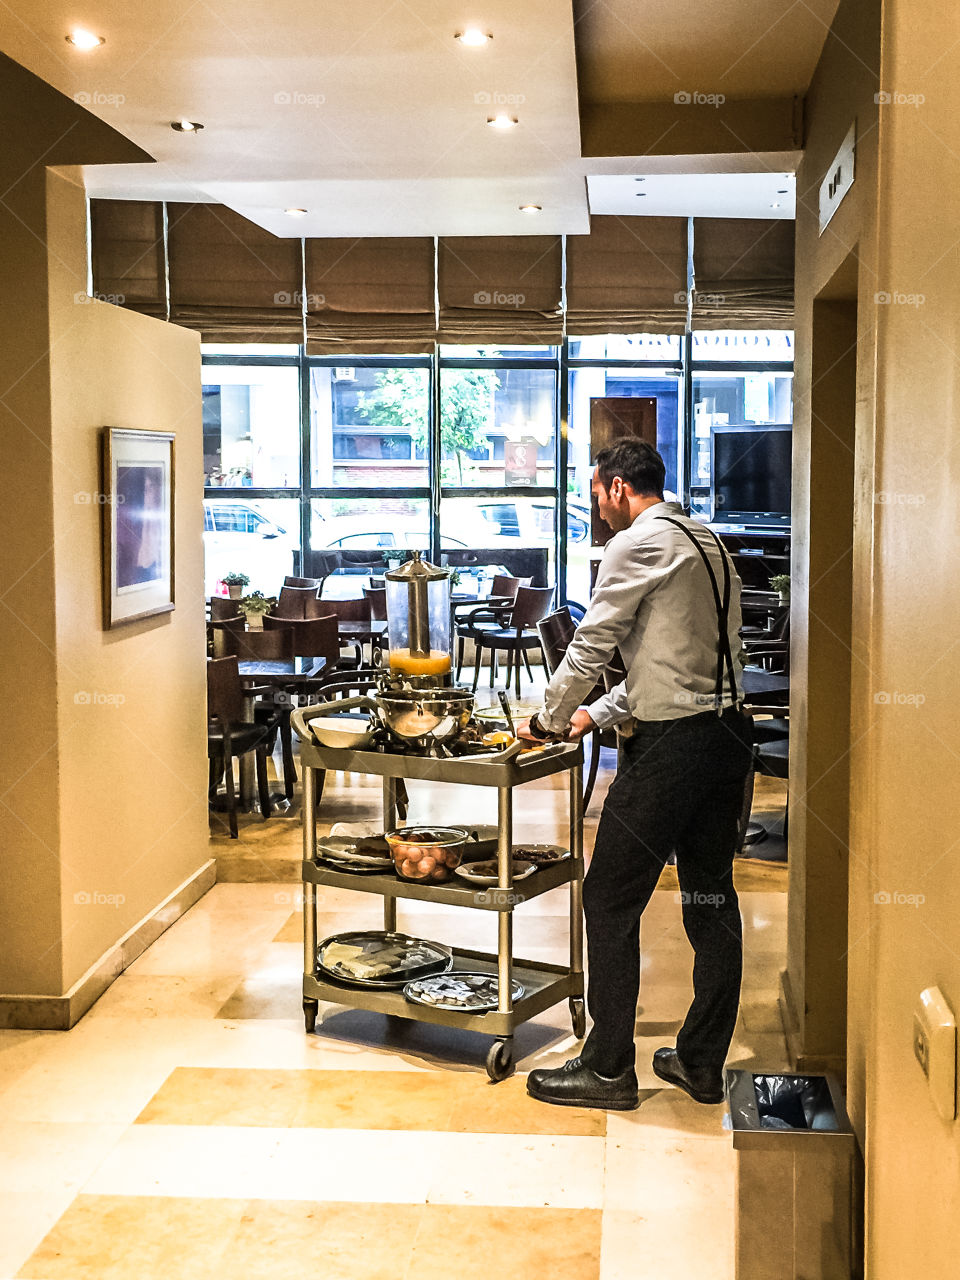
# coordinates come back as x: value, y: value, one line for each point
x: 581, y: 723
x: 523, y: 732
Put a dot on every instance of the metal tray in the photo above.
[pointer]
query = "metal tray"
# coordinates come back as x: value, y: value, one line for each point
x: 484, y: 983
x: 441, y: 962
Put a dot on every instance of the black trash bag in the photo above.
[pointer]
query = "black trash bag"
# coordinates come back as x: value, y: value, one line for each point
x: 794, y: 1102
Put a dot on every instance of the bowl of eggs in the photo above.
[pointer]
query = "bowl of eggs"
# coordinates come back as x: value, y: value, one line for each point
x: 426, y: 853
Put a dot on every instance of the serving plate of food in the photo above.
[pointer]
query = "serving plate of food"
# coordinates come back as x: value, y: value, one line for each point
x: 366, y: 855
x: 463, y: 992
x: 541, y: 855
x: 374, y: 958
x: 488, y: 873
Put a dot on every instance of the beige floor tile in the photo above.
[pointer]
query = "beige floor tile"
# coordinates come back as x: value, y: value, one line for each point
x: 665, y: 1246
x: 353, y: 1165
x: 26, y: 1217
x: 672, y: 1173
x: 39, y: 1158
x: 511, y: 1244
x: 428, y: 1100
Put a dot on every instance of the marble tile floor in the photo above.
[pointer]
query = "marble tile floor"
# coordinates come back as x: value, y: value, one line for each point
x: 187, y: 1127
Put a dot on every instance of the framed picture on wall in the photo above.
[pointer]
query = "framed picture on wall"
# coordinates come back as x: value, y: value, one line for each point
x: 138, y: 541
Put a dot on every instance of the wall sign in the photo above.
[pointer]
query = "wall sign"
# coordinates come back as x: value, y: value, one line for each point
x: 839, y: 177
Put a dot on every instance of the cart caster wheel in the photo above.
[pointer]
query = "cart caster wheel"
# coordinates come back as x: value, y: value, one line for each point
x: 500, y: 1060
x: 578, y: 1016
x: 310, y: 1010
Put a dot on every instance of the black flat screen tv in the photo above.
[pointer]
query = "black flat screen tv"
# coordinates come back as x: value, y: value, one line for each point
x: 751, y: 475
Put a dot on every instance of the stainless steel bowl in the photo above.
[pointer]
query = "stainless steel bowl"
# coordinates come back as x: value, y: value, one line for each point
x: 437, y: 715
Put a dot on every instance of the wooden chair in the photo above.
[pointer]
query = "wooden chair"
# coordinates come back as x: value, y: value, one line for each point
x: 515, y: 638
x: 351, y: 611
x: 312, y: 583
x: 274, y: 645
x: 222, y: 609
x: 501, y: 586
x: 294, y: 602
x: 229, y: 735
x: 221, y: 633
x: 312, y: 637
x: 771, y: 759
x: 556, y: 632
x: 378, y: 602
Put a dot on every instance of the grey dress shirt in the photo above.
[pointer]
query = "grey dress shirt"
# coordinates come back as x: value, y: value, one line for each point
x: 652, y: 600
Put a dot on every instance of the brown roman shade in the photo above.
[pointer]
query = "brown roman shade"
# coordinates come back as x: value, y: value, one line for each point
x: 500, y: 290
x: 128, y: 255
x: 231, y: 279
x: 629, y: 275
x: 370, y: 295
x: 743, y: 273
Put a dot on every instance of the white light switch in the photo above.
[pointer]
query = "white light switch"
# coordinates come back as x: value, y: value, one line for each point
x: 935, y: 1048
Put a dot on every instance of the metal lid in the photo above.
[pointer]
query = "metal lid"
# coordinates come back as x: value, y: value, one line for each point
x: 417, y: 569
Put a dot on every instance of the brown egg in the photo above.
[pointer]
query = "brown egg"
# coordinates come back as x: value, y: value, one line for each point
x: 426, y: 864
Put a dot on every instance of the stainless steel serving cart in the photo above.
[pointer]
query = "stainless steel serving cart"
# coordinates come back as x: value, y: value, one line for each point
x: 544, y: 985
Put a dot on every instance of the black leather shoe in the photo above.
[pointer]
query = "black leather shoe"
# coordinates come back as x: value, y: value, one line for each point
x: 704, y: 1084
x: 575, y: 1085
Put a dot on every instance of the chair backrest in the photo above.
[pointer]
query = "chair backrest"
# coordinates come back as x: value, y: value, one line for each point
x: 312, y: 637
x: 378, y: 603
x: 504, y: 586
x: 293, y: 602
x: 556, y: 631
x: 224, y: 691
x: 532, y: 604
x: 221, y: 609
x: 290, y: 581
x: 261, y: 646
x: 349, y: 610
x: 222, y: 633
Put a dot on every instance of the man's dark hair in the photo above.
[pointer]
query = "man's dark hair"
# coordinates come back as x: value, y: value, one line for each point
x: 637, y: 463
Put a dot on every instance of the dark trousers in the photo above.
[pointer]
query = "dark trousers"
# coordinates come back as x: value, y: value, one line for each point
x: 679, y: 787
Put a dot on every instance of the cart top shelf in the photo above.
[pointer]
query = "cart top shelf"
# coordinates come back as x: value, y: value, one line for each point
x: 487, y: 772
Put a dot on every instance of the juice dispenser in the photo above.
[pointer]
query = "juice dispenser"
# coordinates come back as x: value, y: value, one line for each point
x: 419, y: 621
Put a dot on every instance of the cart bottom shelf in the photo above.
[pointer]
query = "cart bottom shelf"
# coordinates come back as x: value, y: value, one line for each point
x: 543, y: 985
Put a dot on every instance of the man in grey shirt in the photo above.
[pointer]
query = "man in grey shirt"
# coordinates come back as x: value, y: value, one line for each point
x: 668, y: 600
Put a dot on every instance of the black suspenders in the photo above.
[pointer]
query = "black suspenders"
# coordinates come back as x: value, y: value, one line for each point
x: 722, y: 602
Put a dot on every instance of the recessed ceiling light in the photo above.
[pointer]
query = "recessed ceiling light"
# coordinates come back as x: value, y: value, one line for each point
x: 473, y: 37
x: 784, y: 192
x: 531, y: 208
x: 296, y: 213
x: 80, y: 38
x: 502, y: 122
x: 185, y: 126
x: 639, y: 179
x: 639, y: 193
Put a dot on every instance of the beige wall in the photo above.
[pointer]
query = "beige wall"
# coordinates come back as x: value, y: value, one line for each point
x: 103, y: 809
x: 132, y: 772
x: 904, y: 220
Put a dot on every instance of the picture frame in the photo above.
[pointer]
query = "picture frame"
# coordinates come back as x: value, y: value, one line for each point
x: 137, y: 504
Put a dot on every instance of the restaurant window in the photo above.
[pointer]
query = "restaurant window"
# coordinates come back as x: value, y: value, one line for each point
x: 371, y: 528
x: 369, y: 425
x: 497, y: 426
x: 251, y: 426
x: 256, y: 536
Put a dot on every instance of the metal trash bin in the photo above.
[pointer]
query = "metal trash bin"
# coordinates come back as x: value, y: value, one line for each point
x: 798, y: 1178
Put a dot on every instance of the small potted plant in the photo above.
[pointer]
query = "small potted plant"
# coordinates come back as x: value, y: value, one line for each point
x: 255, y: 605
x: 235, y: 582
x: 780, y: 582
x: 393, y: 558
